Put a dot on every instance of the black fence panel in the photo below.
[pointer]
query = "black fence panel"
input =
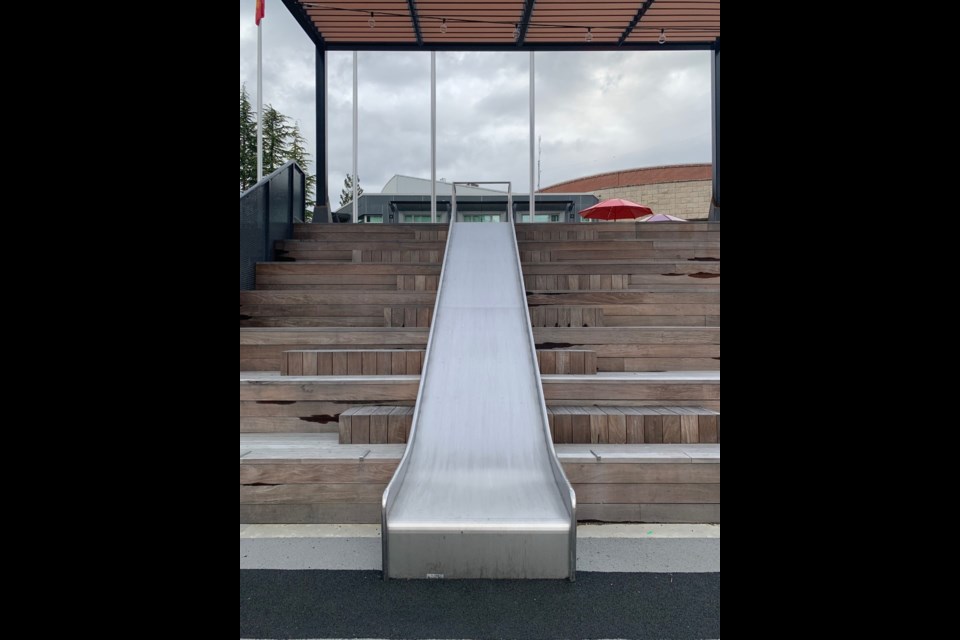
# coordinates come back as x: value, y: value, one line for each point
x: 267, y: 213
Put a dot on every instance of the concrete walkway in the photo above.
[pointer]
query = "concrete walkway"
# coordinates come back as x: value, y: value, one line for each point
x: 616, y: 548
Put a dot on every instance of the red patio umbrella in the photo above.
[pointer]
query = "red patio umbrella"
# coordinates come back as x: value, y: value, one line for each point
x: 616, y: 209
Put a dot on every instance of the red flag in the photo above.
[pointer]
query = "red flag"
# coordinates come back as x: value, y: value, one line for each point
x: 260, y: 10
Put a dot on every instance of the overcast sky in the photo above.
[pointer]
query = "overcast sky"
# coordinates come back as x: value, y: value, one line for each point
x: 595, y: 111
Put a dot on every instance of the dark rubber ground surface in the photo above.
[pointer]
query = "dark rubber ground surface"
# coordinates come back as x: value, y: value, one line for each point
x: 359, y: 604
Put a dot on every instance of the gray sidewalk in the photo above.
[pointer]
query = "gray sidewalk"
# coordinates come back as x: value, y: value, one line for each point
x: 652, y: 548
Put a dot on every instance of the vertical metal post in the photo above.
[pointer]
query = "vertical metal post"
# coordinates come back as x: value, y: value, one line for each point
x: 356, y: 205
x: 433, y: 136
x: 259, y: 102
x: 715, y: 203
x: 322, y: 195
x: 533, y: 206
x: 453, y: 203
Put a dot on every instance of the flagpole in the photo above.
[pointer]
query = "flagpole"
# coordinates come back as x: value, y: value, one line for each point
x: 259, y: 102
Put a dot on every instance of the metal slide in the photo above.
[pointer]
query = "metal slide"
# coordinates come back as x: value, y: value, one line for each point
x: 479, y: 492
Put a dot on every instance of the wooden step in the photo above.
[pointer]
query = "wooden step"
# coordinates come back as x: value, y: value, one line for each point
x: 543, y: 276
x: 618, y: 231
x: 633, y: 425
x: 355, y: 308
x: 618, y: 349
x: 377, y: 232
x: 384, y: 362
x: 325, y: 398
x: 617, y: 250
x: 310, y: 478
x: 375, y: 425
x: 261, y: 349
x: 666, y: 278
x: 358, y: 250
x: 568, y: 425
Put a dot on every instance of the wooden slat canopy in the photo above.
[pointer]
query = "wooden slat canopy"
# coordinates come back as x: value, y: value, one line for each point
x: 510, y: 24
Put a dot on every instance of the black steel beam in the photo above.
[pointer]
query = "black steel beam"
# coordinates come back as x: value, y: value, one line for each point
x: 572, y: 46
x: 525, y: 20
x: 633, y: 23
x: 300, y: 15
x: 415, y: 19
x: 715, y: 69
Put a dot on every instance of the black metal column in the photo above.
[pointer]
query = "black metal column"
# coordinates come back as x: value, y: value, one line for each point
x: 321, y: 212
x: 715, y: 203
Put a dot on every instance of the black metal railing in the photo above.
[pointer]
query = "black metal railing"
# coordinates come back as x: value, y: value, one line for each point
x: 267, y: 213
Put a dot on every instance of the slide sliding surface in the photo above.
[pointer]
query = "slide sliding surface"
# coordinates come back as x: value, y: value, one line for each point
x: 479, y: 492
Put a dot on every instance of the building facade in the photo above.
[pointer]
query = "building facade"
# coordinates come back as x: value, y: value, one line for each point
x: 681, y: 190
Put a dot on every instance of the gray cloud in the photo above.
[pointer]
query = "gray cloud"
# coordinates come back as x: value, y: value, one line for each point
x: 596, y: 111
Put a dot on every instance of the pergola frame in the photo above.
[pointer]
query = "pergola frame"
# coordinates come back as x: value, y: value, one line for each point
x: 688, y: 25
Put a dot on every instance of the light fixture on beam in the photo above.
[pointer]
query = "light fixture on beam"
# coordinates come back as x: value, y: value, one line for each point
x: 443, y: 26
x: 372, y: 21
x: 663, y: 36
x: 589, y: 37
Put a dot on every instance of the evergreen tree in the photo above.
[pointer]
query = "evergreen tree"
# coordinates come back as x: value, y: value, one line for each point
x: 298, y: 153
x: 346, y: 194
x: 275, y: 134
x: 248, y: 142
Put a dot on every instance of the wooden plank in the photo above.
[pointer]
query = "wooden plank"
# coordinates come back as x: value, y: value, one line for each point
x: 339, y: 363
x: 636, y: 336
x: 327, y: 298
x: 380, y: 425
x: 599, y: 429
x: 604, y: 389
x: 397, y: 428
x: 548, y: 361
x: 423, y: 316
x: 671, y: 429
x: 354, y: 363
x: 576, y: 362
x: 384, y: 363
x: 310, y: 367
x: 633, y: 425
x: 688, y: 493
x: 681, y: 513
x: 317, y: 493
x: 282, y: 424
x: 360, y: 429
x: 590, y: 362
x: 324, y: 363
x: 653, y: 429
x: 295, y: 364
x: 617, y: 473
x: 398, y: 363
x: 608, y: 512
x: 336, y: 389
x: 335, y: 513
x: 369, y: 363
x: 360, y: 472
x: 709, y: 431
x: 580, y: 428
x: 320, y: 411
x: 689, y: 428
x: 564, y: 425
x: 616, y: 425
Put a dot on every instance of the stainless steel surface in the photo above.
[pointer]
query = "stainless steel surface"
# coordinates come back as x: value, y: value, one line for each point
x: 479, y: 492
